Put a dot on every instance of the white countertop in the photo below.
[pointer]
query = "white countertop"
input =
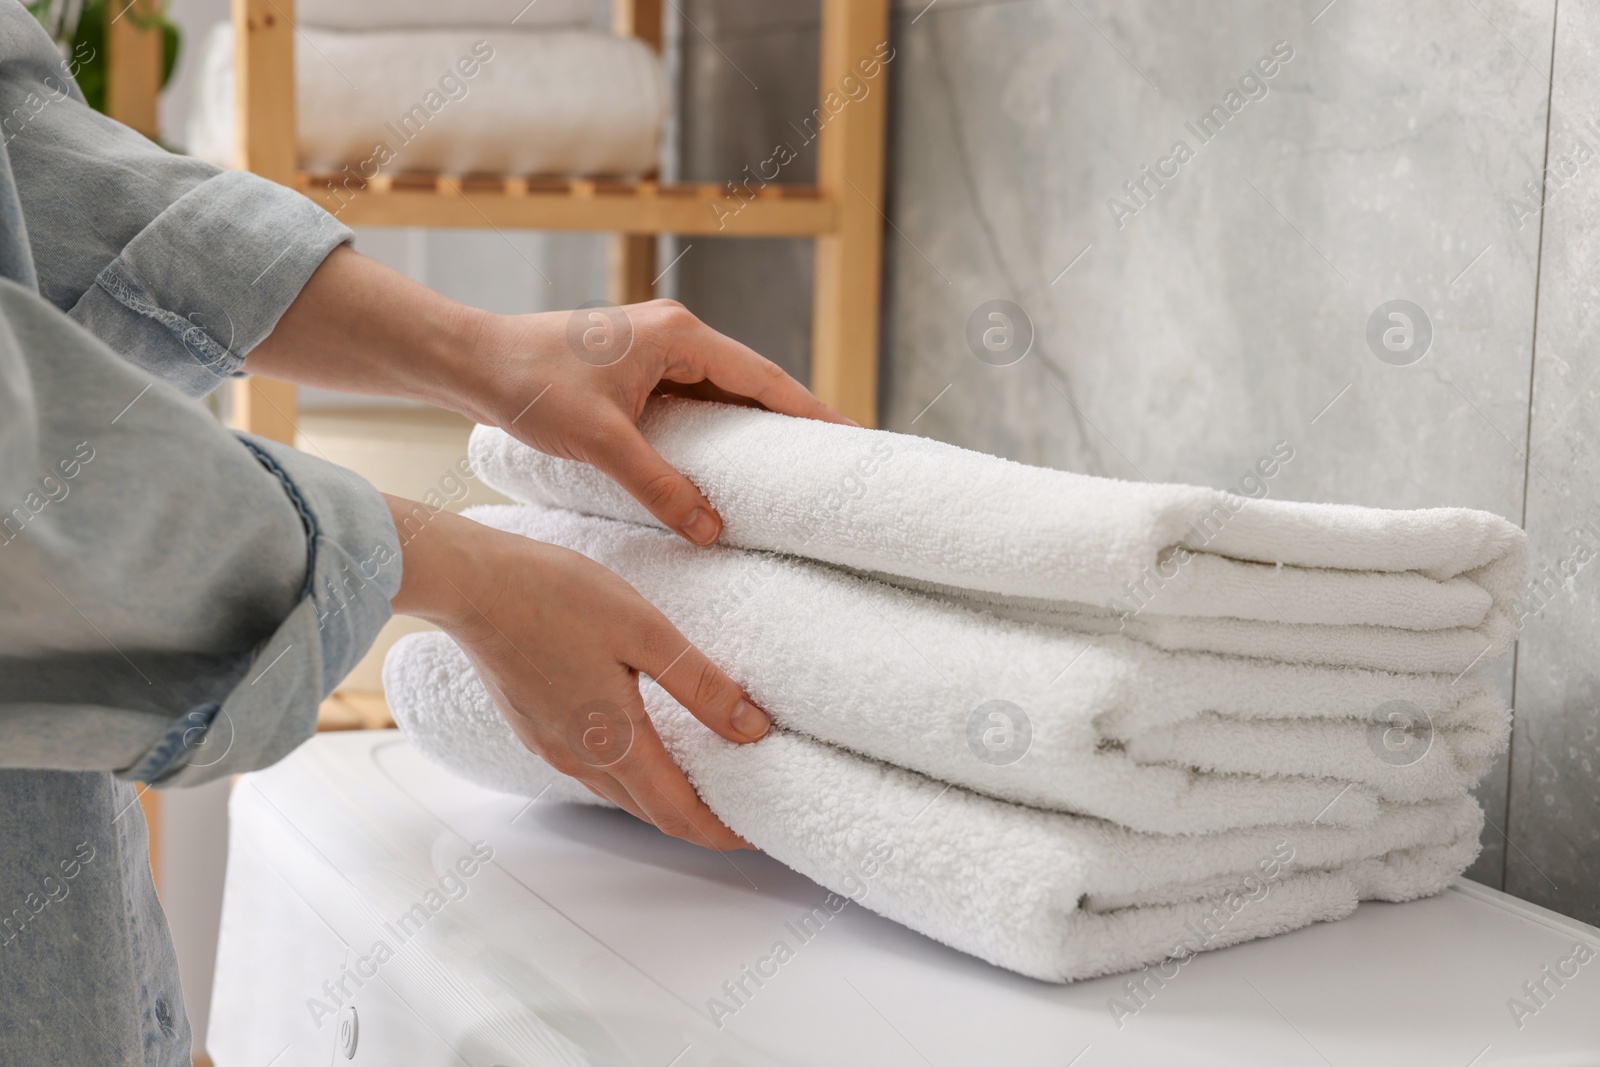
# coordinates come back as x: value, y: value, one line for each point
x: 591, y: 939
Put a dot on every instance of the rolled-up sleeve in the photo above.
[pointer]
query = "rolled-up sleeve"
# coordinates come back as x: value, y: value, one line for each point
x: 175, y: 599
x: 180, y: 267
x: 353, y: 569
x: 194, y: 291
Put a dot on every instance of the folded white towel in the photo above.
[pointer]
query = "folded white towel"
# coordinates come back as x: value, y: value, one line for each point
x: 413, y: 14
x: 932, y: 514
x: 1382, y: 648
x: 1054, y: 896
x: 562, y: 102
x: 1097, y: 725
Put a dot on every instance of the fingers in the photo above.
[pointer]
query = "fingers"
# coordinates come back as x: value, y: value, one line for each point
x: 701, y: 686
x: 647, y: 784
x: 666, y: 798
x: 627, y: 459
x: 731, y: 366
x: 696, y: 355
x: 608, y: 788
x: 617, y: 754
x: 703, y: 390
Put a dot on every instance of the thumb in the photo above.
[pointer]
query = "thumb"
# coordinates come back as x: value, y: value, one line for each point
x: 701, y: 686
x: 655, y: 483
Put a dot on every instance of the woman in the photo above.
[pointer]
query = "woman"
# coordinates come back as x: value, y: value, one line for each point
x: 176, y: 600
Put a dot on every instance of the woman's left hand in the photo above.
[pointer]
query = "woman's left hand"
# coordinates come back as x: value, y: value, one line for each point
x: 574, y: 384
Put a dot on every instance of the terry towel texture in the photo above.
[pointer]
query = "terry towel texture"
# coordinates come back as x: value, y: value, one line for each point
x: 1067, y: 724
x: 1186, y: 567
x: 1113, y: 728
x: 1054, y: 896
x: 554, y: 102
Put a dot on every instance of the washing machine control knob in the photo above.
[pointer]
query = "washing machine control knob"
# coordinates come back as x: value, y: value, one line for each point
x: 349, y: 1031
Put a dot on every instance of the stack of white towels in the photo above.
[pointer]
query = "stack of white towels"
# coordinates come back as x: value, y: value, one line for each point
x: 504, y: 87
x: 1067, y: 724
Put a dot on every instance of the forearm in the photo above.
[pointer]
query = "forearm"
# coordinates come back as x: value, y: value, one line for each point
x: 357, y: 326
x: 436, y: 563
x: 360, y: 327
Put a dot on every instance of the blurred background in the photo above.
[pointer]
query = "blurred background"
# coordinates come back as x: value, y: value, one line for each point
x: 1186, y: 315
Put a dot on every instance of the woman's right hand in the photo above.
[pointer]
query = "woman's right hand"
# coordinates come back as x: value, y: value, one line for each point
x: 560, y: 641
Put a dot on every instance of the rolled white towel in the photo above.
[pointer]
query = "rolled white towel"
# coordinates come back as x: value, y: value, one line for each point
x: 1019, y: 538
x: 417, y: 14
x: 1054, y: 896
x: 1101, y: 726
x: 559, y: 102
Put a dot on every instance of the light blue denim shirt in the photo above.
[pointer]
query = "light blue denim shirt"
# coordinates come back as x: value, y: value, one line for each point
x: 175, y: 599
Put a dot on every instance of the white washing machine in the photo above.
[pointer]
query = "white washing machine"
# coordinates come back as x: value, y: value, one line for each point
x: 381, y: 911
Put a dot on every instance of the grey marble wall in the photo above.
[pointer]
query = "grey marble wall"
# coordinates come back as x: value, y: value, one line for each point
x: 1181, y: 330
x: 1226, y: 309
x: 1554, y: 795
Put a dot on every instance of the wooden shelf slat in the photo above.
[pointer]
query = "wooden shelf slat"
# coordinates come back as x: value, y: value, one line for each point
x: 133, y: 67
x: 848, y: 263
x: 353, y: 709
x: 540, y: 203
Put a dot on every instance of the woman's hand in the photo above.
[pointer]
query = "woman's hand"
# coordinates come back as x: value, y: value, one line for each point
x: 560, y: 642
x: 569, y: 383
x: 574, y: 384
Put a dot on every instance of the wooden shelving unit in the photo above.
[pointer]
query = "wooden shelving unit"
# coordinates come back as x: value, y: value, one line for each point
x: 627, y: 208
x: 840, y: 212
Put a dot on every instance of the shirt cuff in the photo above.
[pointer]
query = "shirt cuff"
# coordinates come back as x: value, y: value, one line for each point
x: 352, y: 572
x: 194, y: 291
